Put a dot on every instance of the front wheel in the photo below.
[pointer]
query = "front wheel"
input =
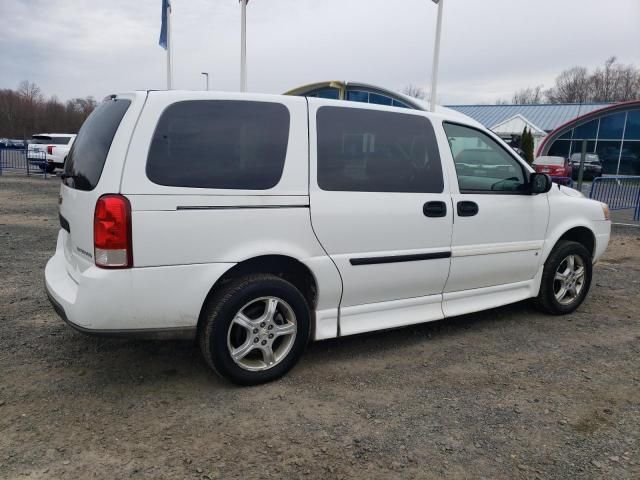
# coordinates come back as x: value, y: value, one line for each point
x: 566, y: 278
x: 255, y: 329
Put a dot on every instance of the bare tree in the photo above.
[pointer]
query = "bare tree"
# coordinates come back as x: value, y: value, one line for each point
x: 615, y: 82
x: 26, y: 111
x: 30, y: 92
x: 527, y: 96
x: 572, y: 86
x: 415, y: 91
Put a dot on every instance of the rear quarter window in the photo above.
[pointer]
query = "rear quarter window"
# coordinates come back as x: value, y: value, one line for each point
x: 88, y: 154
x: 221, y: 144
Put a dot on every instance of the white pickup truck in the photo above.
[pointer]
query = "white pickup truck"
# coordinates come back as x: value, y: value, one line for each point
x: 49, y: 150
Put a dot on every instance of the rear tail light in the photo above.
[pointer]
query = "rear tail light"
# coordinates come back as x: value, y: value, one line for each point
x: 112, y: 232
x: 50, y: 149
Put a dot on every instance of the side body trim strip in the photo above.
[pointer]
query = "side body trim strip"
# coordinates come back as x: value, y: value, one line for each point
x: 235, y: 207
x: 399, y: 258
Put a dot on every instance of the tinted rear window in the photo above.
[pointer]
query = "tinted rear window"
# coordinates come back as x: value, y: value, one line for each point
x: 43, y: 140
x: 549, y: 161
x: 224, y: 144
x: 589, y: 158
x: 86, y: 159
x: 373, y: 151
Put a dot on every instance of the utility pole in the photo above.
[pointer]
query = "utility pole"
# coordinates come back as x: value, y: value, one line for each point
x: 169, y: 45
x: 243, y: 45
x: 436, y: 57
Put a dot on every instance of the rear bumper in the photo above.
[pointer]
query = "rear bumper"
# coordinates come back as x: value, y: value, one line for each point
x: 154, y: 301
x: 173, y: 333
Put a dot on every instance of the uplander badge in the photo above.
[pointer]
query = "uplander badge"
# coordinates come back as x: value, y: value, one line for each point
x: 84, y: 252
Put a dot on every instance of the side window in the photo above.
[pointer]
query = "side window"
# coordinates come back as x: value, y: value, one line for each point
x: 220, y: 144
x: 372, y: 151
x: 482, y: 165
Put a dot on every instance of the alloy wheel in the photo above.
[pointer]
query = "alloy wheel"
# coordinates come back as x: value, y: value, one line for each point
x: 569, y: 279
x: 262, y: 333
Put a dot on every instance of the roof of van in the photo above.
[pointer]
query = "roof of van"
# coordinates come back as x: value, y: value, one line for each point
x: 415, y: 103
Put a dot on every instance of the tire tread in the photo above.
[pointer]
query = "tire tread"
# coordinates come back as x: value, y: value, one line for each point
x: 545, y: 300
x: 210, y: 325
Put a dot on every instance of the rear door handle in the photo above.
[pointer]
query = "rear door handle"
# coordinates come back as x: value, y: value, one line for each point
x: 435, y: 209
x: 467, y: 209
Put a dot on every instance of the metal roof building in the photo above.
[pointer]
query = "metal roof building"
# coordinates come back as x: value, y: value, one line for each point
x: 610, y: 130
x: 545, y: 116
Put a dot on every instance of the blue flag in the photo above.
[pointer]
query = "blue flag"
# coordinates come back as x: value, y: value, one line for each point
x: 166, y: 5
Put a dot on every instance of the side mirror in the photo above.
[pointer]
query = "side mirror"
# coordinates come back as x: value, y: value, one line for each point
x: 540, y: 183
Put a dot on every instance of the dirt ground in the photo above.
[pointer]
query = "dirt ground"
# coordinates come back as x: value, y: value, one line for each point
x: 507, y: 393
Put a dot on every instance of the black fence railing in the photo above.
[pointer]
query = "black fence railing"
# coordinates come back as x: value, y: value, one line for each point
x: 619, y: 192
x: 21, y: 160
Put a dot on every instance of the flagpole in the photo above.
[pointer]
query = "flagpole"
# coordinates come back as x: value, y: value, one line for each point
x: 243, y: 45
x: 169, y: 45
x: 436, y: 58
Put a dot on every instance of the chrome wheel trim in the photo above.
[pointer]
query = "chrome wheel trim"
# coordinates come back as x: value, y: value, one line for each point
x: 270, y: 333
x: 569, y: 279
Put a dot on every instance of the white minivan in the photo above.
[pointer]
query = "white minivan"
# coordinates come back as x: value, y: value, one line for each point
x: 256, y: 223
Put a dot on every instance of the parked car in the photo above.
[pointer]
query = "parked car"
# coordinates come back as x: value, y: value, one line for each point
x: 256, y: 223
x: 4, y: 142
x: 558, y: 168
x: 592, y: 166
x: 482, y: 162
x: 49, y: 150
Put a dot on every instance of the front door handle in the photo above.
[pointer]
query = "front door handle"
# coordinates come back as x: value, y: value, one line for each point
x: 435, y: 209
x: 467, y: 209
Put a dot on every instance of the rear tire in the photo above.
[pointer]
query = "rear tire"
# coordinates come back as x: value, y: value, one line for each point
x: 566, y: 278
x: 254, y: 329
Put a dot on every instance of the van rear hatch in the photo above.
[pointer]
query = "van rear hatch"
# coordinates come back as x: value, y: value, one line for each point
x: 93, y: 168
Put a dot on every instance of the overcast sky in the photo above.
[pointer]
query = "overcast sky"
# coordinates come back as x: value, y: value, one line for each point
x: 490, y: 48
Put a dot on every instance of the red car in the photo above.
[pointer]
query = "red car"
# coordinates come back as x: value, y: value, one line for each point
x: 559, y: 168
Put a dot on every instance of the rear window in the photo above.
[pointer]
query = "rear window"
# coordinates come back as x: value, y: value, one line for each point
x: 45, y: 140
x: 224, y: 144
x: 85, y: 161
x: 363, y: 150
x: 549, y: 161
x: 589, y: 158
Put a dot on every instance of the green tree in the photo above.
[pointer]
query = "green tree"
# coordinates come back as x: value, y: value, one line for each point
x: 527, y: 144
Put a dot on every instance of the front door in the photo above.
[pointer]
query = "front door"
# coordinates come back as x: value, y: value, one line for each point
x: 499, y: 228
x: 380, y: 209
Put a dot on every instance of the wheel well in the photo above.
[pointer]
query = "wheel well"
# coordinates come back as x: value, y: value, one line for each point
x: 581, y: 235
x: 288, y: 268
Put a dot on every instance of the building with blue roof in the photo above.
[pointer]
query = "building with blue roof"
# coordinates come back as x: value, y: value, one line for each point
x: 547, y: 117
x: 610, y: 130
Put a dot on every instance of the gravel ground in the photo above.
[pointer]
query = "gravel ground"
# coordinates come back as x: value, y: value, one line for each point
x: 507, y: 393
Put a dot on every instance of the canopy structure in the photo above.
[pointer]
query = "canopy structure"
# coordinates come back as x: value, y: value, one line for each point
x: 513, y: 127
x: 366, y: 93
